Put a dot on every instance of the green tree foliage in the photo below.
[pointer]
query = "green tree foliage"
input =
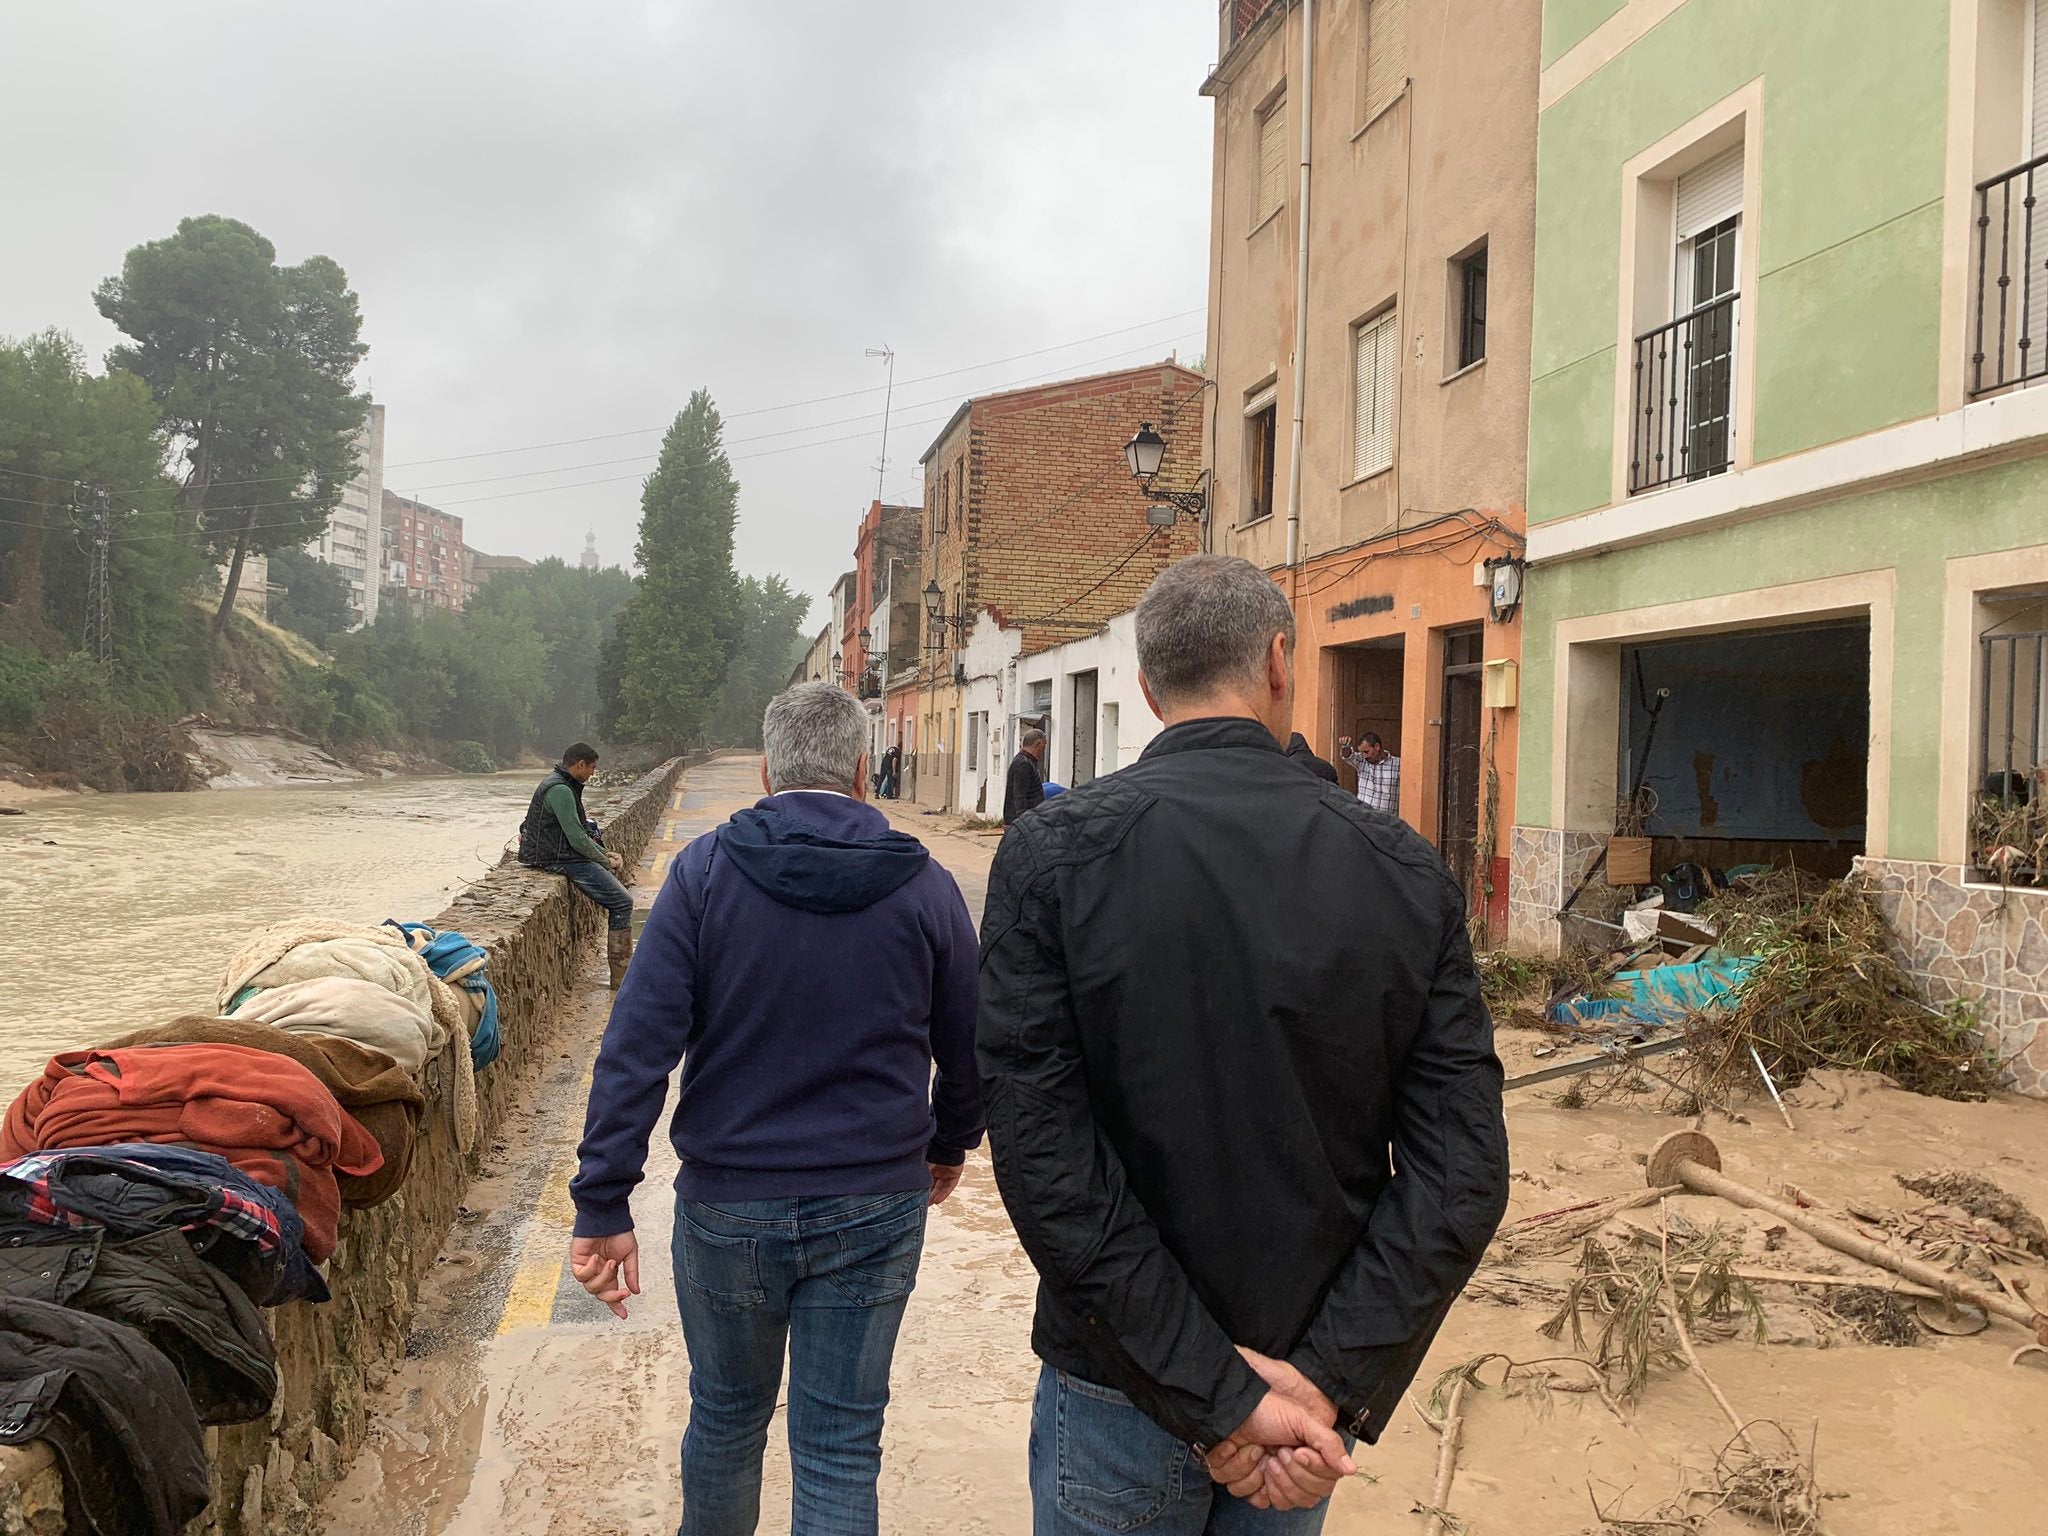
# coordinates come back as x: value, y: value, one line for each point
x: 59, y: 425
x: 681, y: 626
x: 251, y: 365
x: 453, y: 677
x: 771, y: 628
x: 308, y: 596
x: 573, y: 611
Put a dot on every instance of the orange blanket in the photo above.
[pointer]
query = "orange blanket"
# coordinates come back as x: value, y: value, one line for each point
x: 263, y: 1112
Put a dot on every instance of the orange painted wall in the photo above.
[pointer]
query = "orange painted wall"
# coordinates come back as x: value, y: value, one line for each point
x: 1430, y: 592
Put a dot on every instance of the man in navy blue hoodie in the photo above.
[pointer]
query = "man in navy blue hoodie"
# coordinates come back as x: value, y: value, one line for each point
x: 810, y: 967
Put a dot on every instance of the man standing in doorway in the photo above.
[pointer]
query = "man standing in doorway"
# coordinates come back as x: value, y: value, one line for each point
x: 556, y: 836
x: 1242, y: 1096
x: 1024, y: 789
x: 1379, y: 772
x: 809, y: 966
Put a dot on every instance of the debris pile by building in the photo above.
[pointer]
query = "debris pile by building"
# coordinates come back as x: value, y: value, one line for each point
x: 161, y: 1188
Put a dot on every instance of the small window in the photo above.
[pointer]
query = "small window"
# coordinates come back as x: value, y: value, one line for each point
x: 1272, y: 182
x: 1386, y: 55
x: 1041, y: 697
x: 1261, y: 441
x: 1469, y: 288
x: 945, y: 498
x: 960, y: 493
x: 1373, y: 365
x: 974, y: 730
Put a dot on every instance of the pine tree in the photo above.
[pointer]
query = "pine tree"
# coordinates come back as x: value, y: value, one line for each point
x: 682, y: 625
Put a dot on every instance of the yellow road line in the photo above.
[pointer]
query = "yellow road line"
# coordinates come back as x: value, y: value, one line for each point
x: 530, y: 1303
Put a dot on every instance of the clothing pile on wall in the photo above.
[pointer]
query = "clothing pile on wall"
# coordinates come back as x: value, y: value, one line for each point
x: 159, y: 1190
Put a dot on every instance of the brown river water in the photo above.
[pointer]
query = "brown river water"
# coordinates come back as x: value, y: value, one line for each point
x: 118, y: 911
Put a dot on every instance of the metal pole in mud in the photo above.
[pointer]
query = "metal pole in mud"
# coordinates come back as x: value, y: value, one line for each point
x: 1691, y: 1158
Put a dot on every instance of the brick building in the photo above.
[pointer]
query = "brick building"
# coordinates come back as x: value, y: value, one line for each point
x: 884, y: 636
x: 423, y: 553
x: 1035, y: 533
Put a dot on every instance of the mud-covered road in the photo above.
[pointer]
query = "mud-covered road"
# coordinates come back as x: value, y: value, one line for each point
x: 527, y: 1410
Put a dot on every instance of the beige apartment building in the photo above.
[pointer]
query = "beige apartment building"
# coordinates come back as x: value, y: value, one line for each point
x: 1371, y: 271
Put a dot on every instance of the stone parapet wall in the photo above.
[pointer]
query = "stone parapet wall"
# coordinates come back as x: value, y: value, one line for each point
x: 1544, y: 864
x: 267, y: 1476
x: 1984, y: 944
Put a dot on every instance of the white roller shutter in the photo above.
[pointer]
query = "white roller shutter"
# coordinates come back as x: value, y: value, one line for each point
x: 1272, y: 160
x: 1375, y: 363
x: 1709, y: 193
x: 2039, y: 80
x: 1386, y: 53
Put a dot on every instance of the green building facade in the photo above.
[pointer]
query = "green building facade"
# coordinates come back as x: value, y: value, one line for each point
x: 1787, y: 592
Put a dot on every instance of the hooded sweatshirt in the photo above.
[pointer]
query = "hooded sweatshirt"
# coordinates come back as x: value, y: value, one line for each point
x: 809, y: 966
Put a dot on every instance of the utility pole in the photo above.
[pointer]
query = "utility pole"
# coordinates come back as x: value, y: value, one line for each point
x: 888, y: 399
x: 93, y: 502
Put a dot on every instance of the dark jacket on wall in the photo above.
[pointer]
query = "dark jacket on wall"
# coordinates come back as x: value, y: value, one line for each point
x: 809, y: 966
x: 1024, y: 789
x: 1219, y: 1000
x: 198, y: 1318
x: 249, y: 1232
x: 114, y: 1411
x: 1301, y: 752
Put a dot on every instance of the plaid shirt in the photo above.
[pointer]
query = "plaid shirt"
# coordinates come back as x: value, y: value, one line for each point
x: 1379, y: 784
x: 231, y: 1212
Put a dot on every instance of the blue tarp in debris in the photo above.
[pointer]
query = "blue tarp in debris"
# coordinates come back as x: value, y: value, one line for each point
x: 1663, y: 996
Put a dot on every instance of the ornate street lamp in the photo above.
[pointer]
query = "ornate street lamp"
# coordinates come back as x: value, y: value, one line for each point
x: 1145, y: 452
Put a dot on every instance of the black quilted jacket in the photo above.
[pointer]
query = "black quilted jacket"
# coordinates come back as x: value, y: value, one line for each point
x: 1241, y: 1087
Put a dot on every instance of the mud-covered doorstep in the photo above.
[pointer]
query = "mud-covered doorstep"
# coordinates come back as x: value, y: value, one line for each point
x: 268, y: 1476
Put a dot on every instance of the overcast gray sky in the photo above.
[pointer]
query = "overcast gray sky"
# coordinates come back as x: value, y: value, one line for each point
x: 563, y: 217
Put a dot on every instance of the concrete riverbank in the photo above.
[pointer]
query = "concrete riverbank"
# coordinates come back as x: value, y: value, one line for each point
x: 267, y: 1476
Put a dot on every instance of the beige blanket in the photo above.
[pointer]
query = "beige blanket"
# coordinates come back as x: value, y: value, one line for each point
x: 363, y: 984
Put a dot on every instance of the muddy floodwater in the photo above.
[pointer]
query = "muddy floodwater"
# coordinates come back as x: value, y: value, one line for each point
x: 119, y: 910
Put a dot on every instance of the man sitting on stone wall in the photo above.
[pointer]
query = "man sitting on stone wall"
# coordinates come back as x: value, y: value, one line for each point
x: 556, y: 836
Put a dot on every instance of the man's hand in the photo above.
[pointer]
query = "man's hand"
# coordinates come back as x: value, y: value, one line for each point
x: 945, y: 1179
x: 1290, y: 1383
x: 618, y: 864
x: 1292, y: 1473
x: 607, y: 1267
x: 1282, y: 1457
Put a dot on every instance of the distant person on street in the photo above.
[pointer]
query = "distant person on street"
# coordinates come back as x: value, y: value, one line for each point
x: 892, y: 771
x: 808, y: 966
x: 1304, y: 754
x: 1242, y: 1094
x: 556, y: 836
x: 1024, y: 789
x: 1379, y: 772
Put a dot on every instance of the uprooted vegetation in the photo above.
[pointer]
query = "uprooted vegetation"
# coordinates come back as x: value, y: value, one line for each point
x: 1826, y: 991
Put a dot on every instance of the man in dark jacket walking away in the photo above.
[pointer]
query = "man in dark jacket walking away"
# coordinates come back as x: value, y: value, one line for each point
x: 1242, y: 1094
x: 808, y: 966
x: 1024, y: 789
x: 556, y: 836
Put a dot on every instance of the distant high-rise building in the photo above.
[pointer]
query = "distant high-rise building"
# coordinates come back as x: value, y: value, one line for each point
x: 423, y: 553
x: 590, y: 550
x: 354, y: 540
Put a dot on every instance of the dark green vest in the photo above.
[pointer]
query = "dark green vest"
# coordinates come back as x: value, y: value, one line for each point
x: 542, y: 842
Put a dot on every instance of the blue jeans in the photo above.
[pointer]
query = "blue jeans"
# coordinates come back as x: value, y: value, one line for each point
x: 602, y: 887
x: 828, y: 1277
x: 1098, y: 1464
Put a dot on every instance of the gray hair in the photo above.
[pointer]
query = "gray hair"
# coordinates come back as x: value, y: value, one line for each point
x: 1032, y: 738
x: 813, y: 736
x: 1207, y: 623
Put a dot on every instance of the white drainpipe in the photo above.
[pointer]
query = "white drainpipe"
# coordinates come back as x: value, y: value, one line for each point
x: 1308, y: 76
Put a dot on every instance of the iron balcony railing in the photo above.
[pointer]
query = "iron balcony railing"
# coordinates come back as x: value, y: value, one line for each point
x: 1683, y: 422
x: 2009, y: 712
x: 2009, y: 342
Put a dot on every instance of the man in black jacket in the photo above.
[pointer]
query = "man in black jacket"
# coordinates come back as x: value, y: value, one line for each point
x: 1024, y: 789
x: 1242, y: 1096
